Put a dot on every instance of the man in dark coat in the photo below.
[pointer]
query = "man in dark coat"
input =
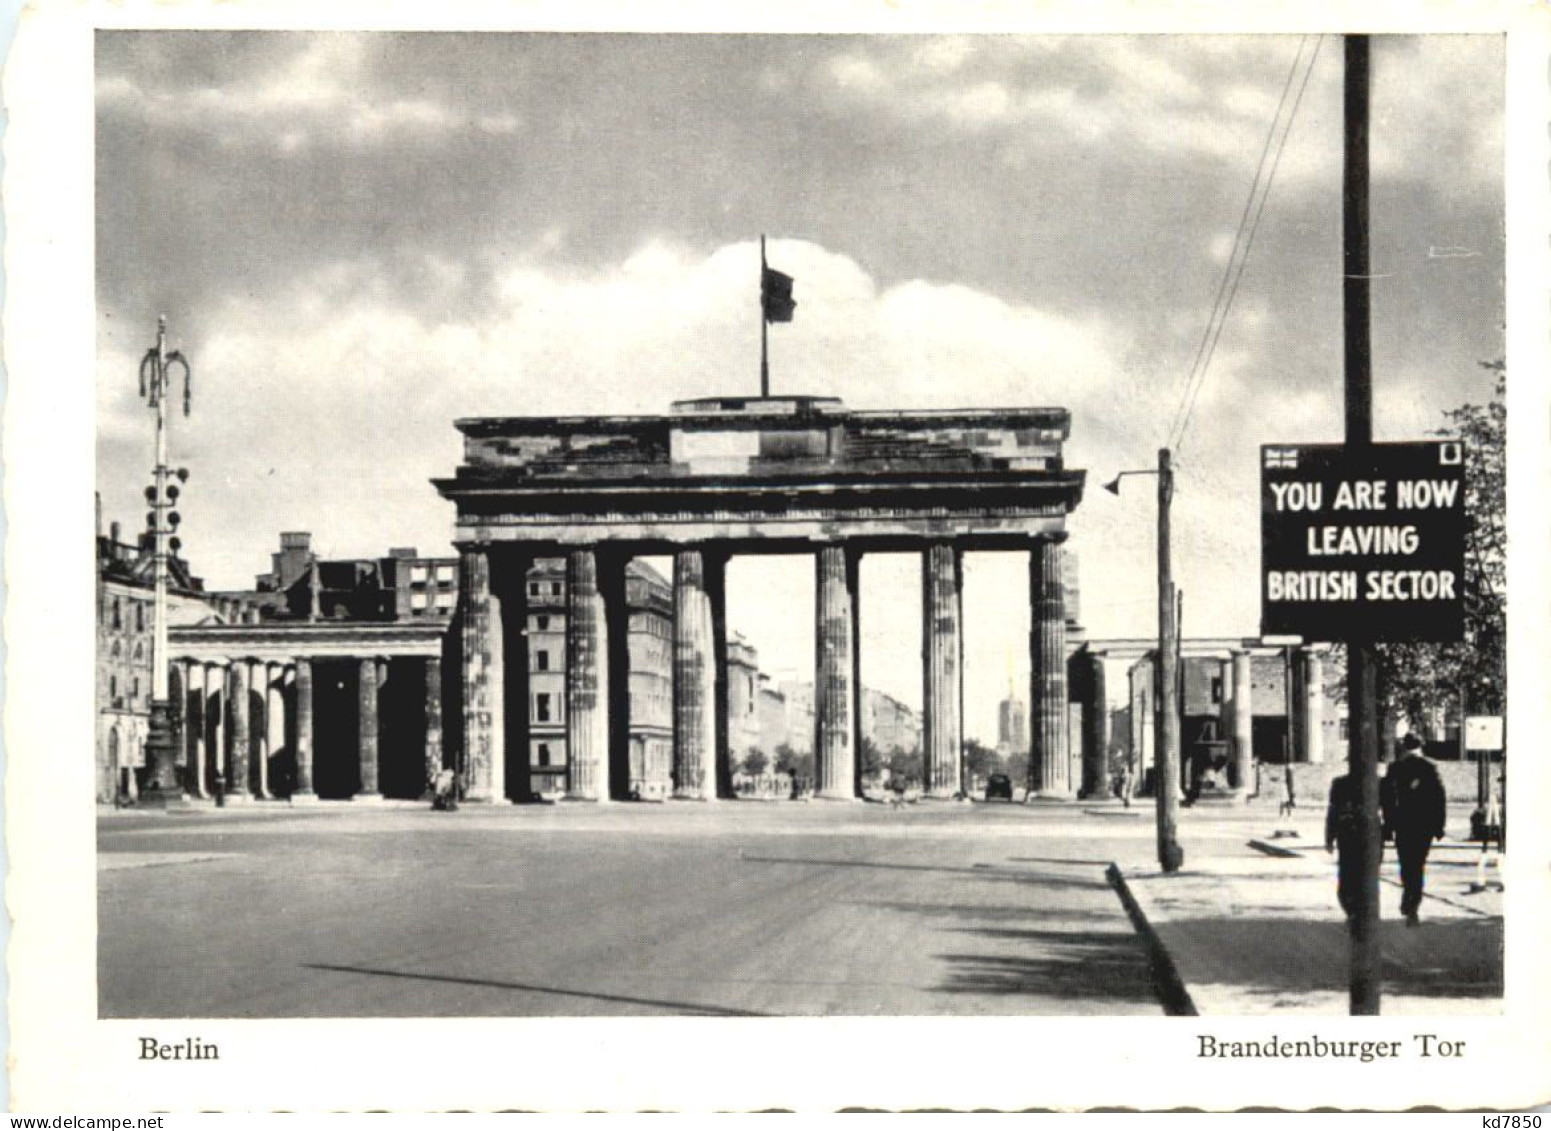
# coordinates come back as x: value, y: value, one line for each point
x: 1343, y: 835
x: 1413, y: 803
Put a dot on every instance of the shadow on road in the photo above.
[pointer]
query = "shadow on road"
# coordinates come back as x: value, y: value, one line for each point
x: 979, y: 871
x: 1444, y: 958
x: 674, y: 1006
x: 1075, y: 965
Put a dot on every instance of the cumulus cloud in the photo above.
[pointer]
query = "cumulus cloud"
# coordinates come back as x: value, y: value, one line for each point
x: 319, y: 92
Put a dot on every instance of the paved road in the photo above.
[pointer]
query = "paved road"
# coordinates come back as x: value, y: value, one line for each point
x: 725, y: 910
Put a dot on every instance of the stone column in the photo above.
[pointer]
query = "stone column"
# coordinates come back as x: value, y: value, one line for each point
x: 586, y: 680
x: 1139, y: 728
x: 367, y: 733
x: 194, y: 710
x: 834, y: 684
x: 721, y: 706
x: 484, y: 682
x: 215, y: 710
x: 1291, y: 682
x: 178, y: 697
x: 237, y: 764
x: 433, y: 718
x: 694, y: 720
x: 1312, y: 704
x: 303, y: 708
x: 1243, y: 737
x: 1095, y: 743
x: 1049, y: 762
x: 942, y: 635
x: 274, y: 720
x: 614, y: 600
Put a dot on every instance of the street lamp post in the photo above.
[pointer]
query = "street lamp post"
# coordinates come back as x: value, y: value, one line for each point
x: 155, y: 387
x: 1170, y: 855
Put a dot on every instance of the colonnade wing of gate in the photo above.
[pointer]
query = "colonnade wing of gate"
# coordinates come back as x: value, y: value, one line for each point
x: 727, y: 476
x: 304, y: 710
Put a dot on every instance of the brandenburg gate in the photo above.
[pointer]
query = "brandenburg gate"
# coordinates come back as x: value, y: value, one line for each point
x: 725, y: 476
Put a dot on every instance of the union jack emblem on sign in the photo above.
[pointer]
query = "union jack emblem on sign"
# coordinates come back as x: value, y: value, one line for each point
x: 1283, y: 458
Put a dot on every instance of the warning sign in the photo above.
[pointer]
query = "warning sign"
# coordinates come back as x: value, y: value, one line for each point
x: 1363, y: 545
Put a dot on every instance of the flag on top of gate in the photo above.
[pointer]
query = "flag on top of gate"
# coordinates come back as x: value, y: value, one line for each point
x: 775, y: 291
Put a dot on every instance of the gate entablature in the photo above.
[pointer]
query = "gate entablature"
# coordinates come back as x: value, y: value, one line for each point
x: 798, y: 469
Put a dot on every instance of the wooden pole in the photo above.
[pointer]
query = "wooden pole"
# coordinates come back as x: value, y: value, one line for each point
x: 1170, y: 855
x: 1362, y: 690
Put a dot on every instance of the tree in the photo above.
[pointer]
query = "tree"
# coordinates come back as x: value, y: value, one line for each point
x: 1416, y: 679
x: 754, y: 762
x: 907, y: 764
x: 980, y: 761
x: 788, y: 761
x: 872, y: 759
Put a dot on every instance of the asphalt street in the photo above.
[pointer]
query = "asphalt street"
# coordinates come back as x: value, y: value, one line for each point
x: 728, y: 909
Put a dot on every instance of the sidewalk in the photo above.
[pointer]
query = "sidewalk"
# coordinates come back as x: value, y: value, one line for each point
x: 1246, y: 932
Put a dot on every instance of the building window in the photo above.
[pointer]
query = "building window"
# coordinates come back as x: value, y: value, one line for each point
x: 418, y: 574
x: 542, y: 623
x: 1344, y: 732
x: 139, y: 616
x: 533, y: 588
x: 1217, y: 689
x: 118, y: 614
x: 134, y: 690
x: 444, y: 573
x: 541, y: 707
x: 113, y: 687
x: 417, y: 600
x: 445, y: 599
x: 543, y: 753
x: 541, y: 658
x: 554, y: 589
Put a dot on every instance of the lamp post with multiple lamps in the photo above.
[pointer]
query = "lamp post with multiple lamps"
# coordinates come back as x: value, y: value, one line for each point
x: 155, y: 387
x: 1170, y: 855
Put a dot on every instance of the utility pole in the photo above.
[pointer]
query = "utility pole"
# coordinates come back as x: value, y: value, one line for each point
x: 1170, y: 855
x: 1361, y: 686
x: 160, y: 747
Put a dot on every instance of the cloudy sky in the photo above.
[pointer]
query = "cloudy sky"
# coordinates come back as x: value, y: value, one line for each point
x: 358, y: 238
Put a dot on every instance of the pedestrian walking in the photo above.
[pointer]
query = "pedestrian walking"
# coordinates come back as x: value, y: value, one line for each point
x: 444, y: 791
x: 1343, y: 836
x: 1413, y: 804
x: 1123, y: 784
x: 1289, y: 797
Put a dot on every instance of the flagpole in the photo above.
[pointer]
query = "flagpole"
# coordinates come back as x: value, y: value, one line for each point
x: 764, y: 327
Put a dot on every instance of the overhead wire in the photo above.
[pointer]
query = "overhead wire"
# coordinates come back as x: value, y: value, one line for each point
x: 1248, y: 244
x: 1249, y: 222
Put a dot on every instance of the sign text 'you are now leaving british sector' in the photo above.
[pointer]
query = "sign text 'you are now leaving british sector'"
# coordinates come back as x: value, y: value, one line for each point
x: 1363, y: 544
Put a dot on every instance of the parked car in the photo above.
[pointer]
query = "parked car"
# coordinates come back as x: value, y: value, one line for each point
x: 998, y: 785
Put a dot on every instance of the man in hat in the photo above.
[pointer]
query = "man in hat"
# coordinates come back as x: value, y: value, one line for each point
x: 1412, y: 800
x: 1343, y: 832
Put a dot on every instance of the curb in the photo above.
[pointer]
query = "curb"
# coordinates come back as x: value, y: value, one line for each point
x: 1171, y: 987
x: 1273, y: 849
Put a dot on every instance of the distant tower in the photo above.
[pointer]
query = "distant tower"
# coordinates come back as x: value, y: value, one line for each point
x: 1012, y: 735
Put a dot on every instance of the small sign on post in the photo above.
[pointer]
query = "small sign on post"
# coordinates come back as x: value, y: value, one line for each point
x: 1483, y: 732
x: 1363, y: 545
